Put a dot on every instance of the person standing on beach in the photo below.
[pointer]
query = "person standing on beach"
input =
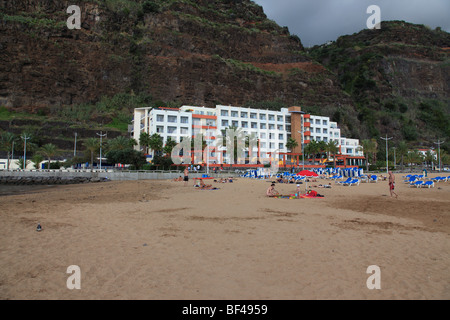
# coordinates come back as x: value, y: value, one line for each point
x: 186, y: 176
x: 392, y: 184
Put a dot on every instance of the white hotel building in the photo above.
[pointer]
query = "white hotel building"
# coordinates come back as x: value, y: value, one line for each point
x: 272, y: 128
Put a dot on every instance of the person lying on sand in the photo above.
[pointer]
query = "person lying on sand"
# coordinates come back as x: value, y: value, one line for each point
x: 178, y: 179
x: 203, y: 185
x: 271, y: 192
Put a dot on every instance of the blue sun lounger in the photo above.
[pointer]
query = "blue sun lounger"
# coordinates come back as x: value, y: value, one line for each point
x: 416, y: 184
x: 428, y: 184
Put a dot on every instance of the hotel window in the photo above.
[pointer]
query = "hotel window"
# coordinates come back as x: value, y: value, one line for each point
x: 263, y: 144
x: 234, y: 114
x: 244, y: 124
x: 271, y: 126
x: 263, y: 135
x: 160, y: 129
x: 263, y: 126
x: 317, y: 121
x: 211, y: 123
x: 317, y: 130
x: 272, y: 145
x: 172, y: 119
x: 244, y: 114
x: 224, y: 123
x: 184, y: 130
x: 184, y: 120
x: 280, y: 118
x: 288, y: 128
x: 325, y: 139
x: 280, y: 146
x: 171, y: 129
x: 280, y: 136
x: 325, y: 131
x: 209, y: 113
x: 262, y: 116
x: 160, y: 118
x: 280, y: 127
x: 271, y: 117
x: 252, y: 115
x: 224, y: 113
x: 324, y: 122
x: 349, y: 151
x: 288, y: 119
x: 196, y: 122
x: 254, y: 125
x: 271, y: 136
x: 235, y: 124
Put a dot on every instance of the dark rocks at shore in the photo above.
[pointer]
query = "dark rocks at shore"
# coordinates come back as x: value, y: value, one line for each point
x: 15, y: 180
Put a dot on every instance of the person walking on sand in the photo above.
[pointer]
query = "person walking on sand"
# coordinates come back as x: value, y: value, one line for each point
x: 186, y: 176
x: 392, y: 184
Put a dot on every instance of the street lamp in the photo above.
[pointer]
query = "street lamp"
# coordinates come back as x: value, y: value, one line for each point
x: 75, y: 146
x: 25, y: 138
x: 439, y: 142
x: 387, y: 159
x: 101, y: 136
x: 303, y: 148
x: 395, y: 161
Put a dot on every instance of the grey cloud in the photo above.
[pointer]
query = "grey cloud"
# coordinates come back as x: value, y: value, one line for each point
x: 319, y: 21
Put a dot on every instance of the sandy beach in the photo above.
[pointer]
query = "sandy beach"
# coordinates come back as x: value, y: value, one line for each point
x: 160, y: 240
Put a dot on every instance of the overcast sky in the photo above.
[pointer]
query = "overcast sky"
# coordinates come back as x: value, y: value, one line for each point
x: 319, y: 21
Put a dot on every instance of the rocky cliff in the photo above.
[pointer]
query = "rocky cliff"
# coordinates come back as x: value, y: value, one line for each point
x: 399, y: 78
x: 207, y: 52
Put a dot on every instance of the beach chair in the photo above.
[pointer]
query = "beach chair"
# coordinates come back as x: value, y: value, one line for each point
x: 428, y: 184
x: 346, y: 182
x: 411, y: 179
x: 416, y: 184
x: 354, y: 182
x: 373, y: 178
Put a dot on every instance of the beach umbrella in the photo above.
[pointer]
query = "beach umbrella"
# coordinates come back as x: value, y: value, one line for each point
x: 307, y: 173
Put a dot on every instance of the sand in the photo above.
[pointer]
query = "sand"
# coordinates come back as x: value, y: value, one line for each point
x: 158, y: 240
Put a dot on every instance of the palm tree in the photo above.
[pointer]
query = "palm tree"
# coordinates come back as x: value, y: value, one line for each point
x: 322, y: 147
x: 332, y: 149
x: 170, y: 144
x: 413, y: 157
x: 291, y: 144
x: 37, y: 159
x: 374, y: 149
x: 156, y: 143
x: 402, y: 151
x: 48, y: 150
x: 7, y: 141
x: 92, y: 145
x: 121, y: 143
x: 226, y: 140
x: 144, y: 141
x: 428, y: 158
x: 20, y: 163
x: 366, y: 146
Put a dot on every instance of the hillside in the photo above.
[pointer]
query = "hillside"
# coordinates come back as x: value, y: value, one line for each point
x: 399, y: 78
x: 164, y: 52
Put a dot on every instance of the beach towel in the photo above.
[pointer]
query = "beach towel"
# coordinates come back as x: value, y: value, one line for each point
x: 311, y: 194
